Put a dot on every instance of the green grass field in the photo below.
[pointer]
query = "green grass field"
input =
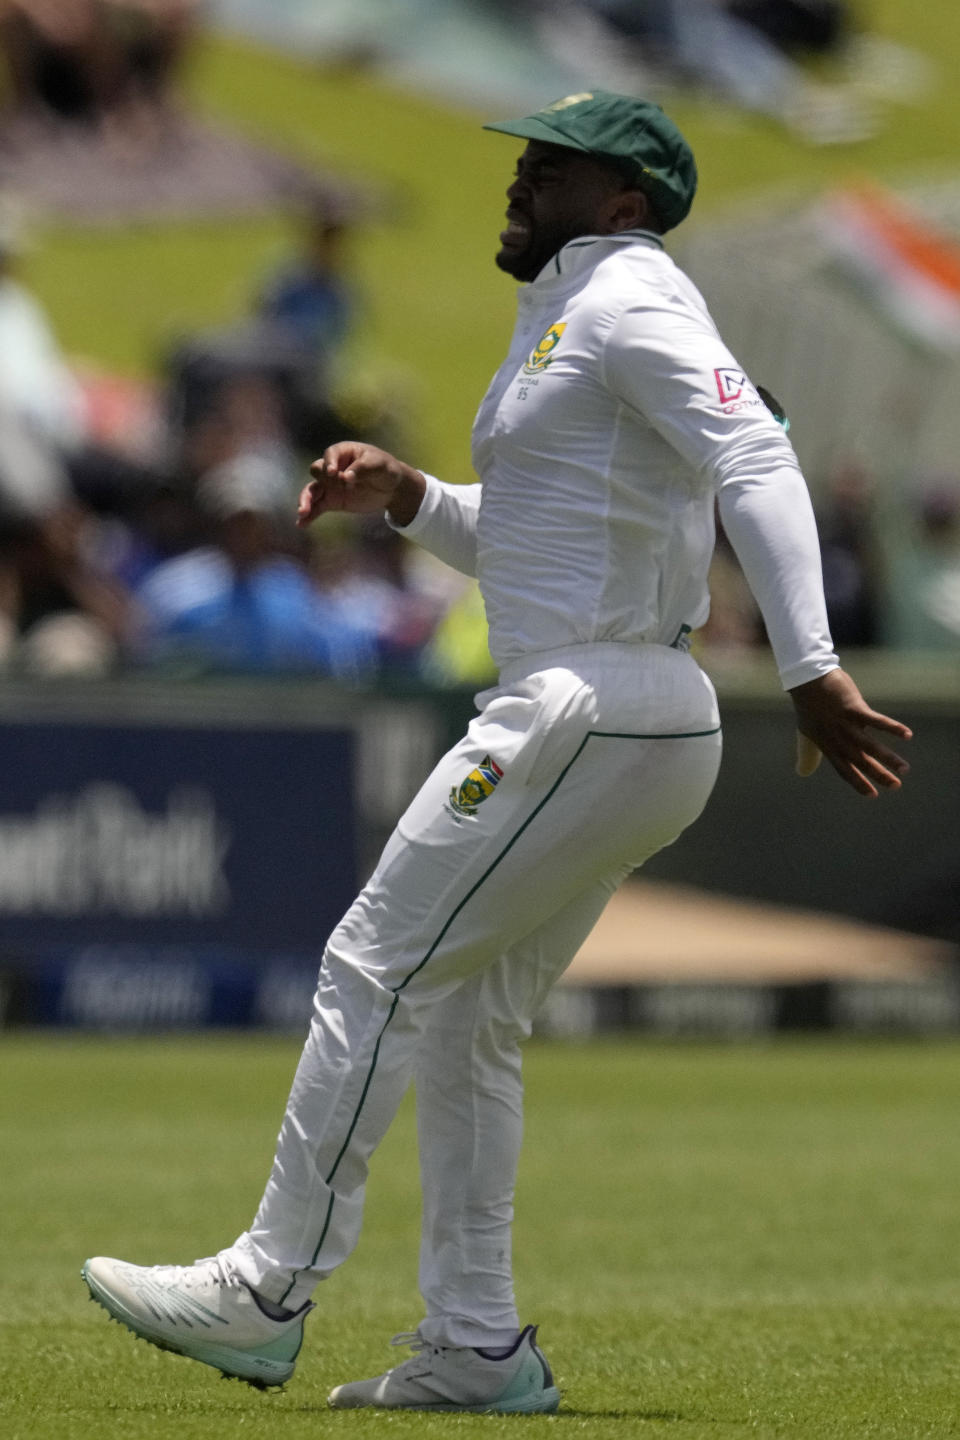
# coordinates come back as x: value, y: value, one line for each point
x: 717, y: 1241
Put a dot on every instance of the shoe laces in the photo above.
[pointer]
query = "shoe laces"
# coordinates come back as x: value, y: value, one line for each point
x: 413, y: 1340
x: 210, y: 1270
x: 416, y: 1342
x: 423, y: 1350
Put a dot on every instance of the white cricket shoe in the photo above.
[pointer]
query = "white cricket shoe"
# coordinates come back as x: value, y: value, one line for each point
x: 203, y: 1311
x: 442, y: 1377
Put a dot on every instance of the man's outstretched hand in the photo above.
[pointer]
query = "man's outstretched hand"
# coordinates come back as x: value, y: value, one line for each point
x: 361, y: 479
x: 833, y: 716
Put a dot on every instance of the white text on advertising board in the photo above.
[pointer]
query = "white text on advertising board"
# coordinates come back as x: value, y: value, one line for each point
x: 99, y: 852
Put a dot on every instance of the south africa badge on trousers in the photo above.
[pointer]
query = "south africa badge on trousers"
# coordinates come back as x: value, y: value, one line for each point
x: 477, y: 787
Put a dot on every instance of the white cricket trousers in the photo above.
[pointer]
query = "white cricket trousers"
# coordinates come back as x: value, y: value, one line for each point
x: 483, y: 895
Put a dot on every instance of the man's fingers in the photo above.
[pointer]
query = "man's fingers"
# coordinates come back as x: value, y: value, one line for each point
x: 888, y: 757
x: 864, y: 770
x: 864, y: 763
x: 335, y: 461
x: 861, y: 784
x: 833, y: 717
x: 358, y: 479
x: 886, y: 722
x: 878, y: 772
x: 321, y: 495
x: 879, y: 758
x: 310, y: 497
x: 854, y: 776
x: 884, y: 764
x: 346, y: 463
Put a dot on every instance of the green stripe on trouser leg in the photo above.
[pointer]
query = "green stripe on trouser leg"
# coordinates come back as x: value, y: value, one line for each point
x: 455, y: 897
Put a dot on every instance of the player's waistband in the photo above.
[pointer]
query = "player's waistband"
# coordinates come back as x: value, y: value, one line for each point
x: 599, y: 655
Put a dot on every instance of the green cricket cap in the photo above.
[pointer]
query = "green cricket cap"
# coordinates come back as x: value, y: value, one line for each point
x: 634, y: 134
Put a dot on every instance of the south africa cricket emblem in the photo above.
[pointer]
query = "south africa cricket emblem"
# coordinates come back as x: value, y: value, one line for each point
x: 477, y: 787
x: 542, y: 353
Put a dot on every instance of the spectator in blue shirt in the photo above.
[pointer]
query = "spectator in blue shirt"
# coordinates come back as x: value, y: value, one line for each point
x: 241, y: 603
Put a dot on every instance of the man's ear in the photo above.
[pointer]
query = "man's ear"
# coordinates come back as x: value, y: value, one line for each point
x: 628, y: 210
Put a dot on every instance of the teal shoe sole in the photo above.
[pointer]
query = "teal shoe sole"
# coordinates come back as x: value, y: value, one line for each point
x: 259, y: 1368
x: 542, y: 1402
x: 545, y: 1402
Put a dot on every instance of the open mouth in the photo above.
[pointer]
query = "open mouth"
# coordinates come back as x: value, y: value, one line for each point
x: 517, y: 232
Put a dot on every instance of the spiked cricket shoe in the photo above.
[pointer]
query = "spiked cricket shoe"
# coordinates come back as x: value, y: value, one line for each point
x: 203, y: 1311
x: 442, y: 1377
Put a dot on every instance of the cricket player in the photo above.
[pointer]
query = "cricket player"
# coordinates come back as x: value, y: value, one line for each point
x: 616, y: 421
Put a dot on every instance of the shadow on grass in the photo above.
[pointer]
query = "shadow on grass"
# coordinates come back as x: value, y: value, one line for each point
x: 567, y: 1413
x: 674, y: 1416
x: 278, y: 1399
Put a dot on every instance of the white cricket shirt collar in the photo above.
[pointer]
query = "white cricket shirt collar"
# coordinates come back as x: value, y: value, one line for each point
x: 578, y: 254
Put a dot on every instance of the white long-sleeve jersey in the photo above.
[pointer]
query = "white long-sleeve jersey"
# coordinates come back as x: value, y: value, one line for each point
x: 615, y: 421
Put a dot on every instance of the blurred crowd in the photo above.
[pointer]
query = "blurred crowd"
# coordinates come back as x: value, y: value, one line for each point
x: 151, y: 524
x: 754, y: 54
x: 891, y: 567
x: 816, y: 67
x: 107, y: 64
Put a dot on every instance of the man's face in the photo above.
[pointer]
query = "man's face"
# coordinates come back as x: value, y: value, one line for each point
x: 557, y: 195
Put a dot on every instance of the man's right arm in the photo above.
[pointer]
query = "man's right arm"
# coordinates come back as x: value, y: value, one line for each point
x: 361, y: 479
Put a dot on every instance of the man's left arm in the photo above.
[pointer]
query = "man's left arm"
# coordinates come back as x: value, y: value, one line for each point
x: 766, y: 512
x: 669, y: 363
